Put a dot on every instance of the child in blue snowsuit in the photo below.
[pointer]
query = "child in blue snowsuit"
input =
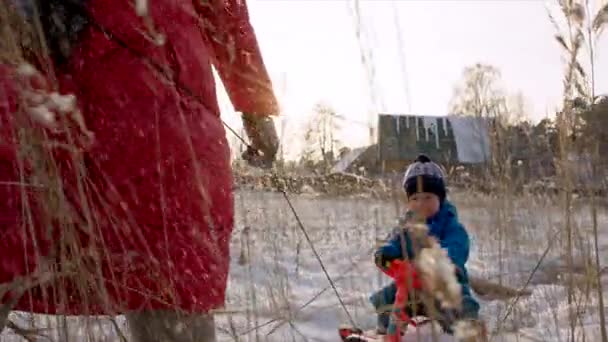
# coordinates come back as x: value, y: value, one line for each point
x: 426, y: 191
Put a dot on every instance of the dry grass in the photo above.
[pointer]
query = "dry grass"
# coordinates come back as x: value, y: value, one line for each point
x: 280, y: 281
x: 342, y: 230
x: 277, y: 279
x: 577, y: 35
x: 61, y: 207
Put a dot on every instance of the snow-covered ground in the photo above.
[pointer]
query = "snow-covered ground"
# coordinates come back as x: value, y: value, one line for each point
x: 278, y: 290
x: 278, y: 285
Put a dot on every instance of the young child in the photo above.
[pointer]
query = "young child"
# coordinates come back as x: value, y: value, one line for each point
x: 424, y: 184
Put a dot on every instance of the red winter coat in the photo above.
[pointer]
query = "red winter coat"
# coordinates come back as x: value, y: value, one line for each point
x: 158, y: 175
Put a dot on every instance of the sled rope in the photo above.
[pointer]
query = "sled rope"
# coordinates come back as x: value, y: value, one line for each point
x: 312, y: 246
x: 309, y: 301
x: 188, y: 92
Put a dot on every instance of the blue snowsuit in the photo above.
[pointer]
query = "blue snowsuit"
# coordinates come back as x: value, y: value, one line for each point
x: 452, y: 236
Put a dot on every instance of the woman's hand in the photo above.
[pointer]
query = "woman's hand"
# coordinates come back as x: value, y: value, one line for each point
x: 264, y: 142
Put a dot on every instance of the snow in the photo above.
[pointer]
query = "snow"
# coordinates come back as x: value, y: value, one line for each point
x: 284, y: 274
x: 278, y: 290
x: 346, y: 160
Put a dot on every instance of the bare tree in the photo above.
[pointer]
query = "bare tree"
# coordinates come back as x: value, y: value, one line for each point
x: 479, y: 93
x: 320, y: 135
x: 516, y: 109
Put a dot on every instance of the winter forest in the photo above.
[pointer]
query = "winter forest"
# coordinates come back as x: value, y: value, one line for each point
x: 291, y: 170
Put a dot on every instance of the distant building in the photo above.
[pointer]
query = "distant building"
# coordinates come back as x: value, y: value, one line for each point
x: 448, y: 139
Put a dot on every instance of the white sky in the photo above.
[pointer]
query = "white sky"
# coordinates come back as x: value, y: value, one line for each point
x: 312, y: 53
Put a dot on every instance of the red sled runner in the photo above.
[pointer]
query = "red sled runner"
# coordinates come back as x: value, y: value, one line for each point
x: 402, y: 272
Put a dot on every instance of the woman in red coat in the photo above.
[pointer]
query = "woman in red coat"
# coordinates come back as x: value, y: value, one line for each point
x: 127, y: 207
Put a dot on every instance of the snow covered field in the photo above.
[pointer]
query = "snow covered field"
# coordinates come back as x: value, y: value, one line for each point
x: 279, y: 275
x: 279, y: 292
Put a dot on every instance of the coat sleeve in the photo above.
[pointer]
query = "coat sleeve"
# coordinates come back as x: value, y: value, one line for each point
x: 393, y: 248
x: 237, y: 57
x: 456, y: 242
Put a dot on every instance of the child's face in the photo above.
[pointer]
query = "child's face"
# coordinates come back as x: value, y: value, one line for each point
x: 424, y: 204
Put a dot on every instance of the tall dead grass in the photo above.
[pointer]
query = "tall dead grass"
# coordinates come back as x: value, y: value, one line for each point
x: 63, y: 211
x: 293, y: 295
x: 510, y: 225
x: 577, y: 32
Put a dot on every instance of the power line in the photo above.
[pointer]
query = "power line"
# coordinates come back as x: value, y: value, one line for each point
x: 402, y: 60
x: 367, y: 59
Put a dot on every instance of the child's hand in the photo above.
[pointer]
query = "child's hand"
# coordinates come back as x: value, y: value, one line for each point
x: 380, y: 260
x: 385, y: 255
